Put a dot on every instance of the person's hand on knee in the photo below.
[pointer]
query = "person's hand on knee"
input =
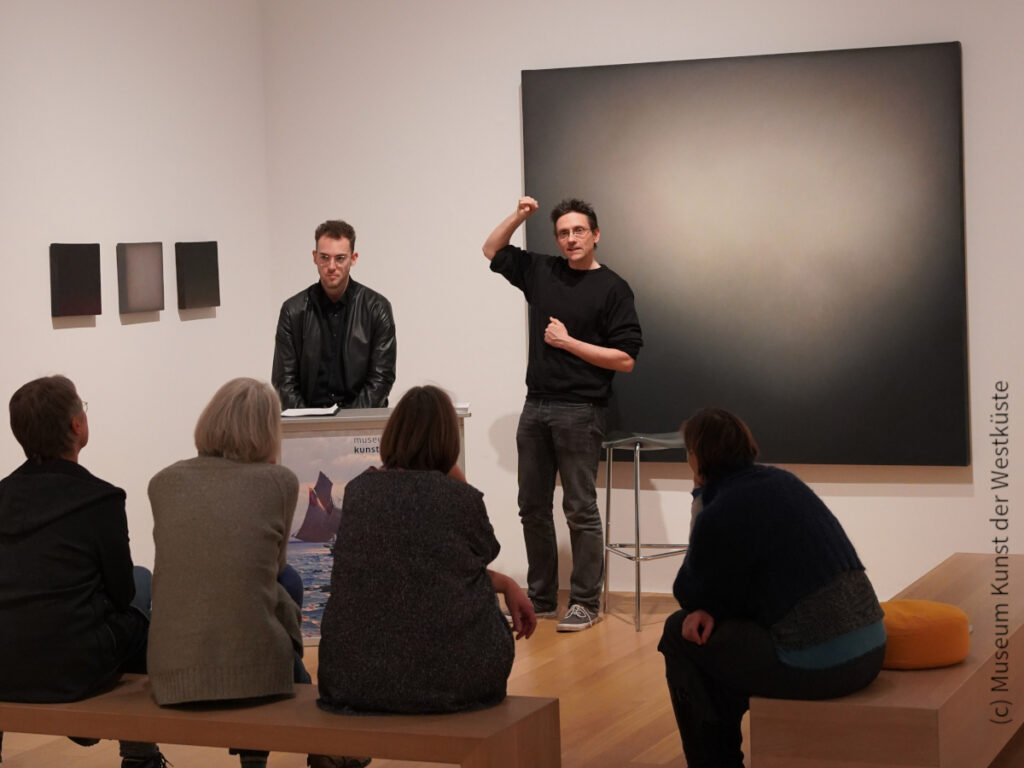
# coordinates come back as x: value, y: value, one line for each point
x: 697, y: 626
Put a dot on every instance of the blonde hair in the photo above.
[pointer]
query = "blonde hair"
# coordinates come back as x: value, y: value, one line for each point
x: 242, y: 422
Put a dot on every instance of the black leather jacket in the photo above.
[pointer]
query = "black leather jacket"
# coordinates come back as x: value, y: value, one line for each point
x: 369, y: 348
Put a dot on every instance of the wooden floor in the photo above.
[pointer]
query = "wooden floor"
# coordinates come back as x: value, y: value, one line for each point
x: 610, y: 681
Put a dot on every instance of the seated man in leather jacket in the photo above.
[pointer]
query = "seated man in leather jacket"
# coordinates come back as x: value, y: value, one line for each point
x: 335, y: 340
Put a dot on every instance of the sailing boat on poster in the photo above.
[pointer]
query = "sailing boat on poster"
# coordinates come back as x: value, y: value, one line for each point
x: 324, y: 466
x: 320, y: 523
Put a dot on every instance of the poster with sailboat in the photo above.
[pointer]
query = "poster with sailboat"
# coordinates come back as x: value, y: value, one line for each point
x: 324, y: 465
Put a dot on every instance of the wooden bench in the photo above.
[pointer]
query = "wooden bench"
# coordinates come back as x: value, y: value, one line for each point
x: 521, y: 731
x: 920, y: 718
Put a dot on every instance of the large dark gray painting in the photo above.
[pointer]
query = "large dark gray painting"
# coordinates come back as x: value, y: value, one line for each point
x: 792, y: 227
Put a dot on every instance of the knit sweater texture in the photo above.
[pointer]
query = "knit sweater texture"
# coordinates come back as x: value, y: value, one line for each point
x: 765, y: 548
x: 222, y: 626
x: 412, y: 624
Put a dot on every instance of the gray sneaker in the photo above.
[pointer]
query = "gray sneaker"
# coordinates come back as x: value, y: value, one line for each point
x: 552, y: 614
x: 577, y: 618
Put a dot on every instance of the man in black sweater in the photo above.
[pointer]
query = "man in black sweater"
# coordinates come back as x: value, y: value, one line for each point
x: 583, y: 328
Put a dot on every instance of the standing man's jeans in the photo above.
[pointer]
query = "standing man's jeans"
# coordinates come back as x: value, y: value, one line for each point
x: 564, y: 438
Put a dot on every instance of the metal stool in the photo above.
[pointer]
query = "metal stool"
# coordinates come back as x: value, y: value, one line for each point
x: 634, y: 550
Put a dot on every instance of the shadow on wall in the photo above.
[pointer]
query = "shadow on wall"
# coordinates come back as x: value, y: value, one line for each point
x: 503, y: 440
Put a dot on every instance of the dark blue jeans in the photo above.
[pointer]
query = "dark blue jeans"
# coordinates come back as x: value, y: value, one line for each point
x: 290, y: 579
x: 135, y: 649
x: 135, y: 632
x: 563, y: 438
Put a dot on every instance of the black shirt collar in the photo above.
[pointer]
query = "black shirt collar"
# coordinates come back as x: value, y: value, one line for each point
x: 326, y: 305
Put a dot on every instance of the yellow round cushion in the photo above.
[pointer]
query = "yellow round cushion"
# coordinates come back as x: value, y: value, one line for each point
x: 923, y: 633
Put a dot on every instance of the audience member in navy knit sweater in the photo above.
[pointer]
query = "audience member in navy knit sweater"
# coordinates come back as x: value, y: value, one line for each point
x: 775, y: 601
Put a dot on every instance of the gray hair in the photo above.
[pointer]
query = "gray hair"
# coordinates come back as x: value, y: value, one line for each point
x: 242, y: 422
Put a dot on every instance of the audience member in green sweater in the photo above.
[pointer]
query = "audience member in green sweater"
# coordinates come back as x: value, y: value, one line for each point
x: 224, y: 627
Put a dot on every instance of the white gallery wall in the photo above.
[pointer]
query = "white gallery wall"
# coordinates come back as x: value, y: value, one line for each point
x: 132, y: 122
x: 250, y: 122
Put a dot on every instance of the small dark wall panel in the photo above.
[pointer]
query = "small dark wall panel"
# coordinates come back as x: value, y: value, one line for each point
x: 198, y: 276
x: 75, y: 279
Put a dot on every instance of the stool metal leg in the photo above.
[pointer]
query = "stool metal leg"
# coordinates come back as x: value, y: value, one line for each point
x: 631, y: 550
x: 636, y: 529
x: 607, y: 521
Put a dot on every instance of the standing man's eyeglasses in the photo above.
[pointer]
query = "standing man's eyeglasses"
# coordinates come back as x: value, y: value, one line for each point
x: 577, y: 232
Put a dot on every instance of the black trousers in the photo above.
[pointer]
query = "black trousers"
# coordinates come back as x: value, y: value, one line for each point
x: 710, y: 685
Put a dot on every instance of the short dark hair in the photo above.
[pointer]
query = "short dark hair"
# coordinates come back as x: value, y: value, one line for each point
x: 721, y: 441
x: 574, y: 205
x: 422, y: 432
x: 336, y: 229
x: 41, y: 413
